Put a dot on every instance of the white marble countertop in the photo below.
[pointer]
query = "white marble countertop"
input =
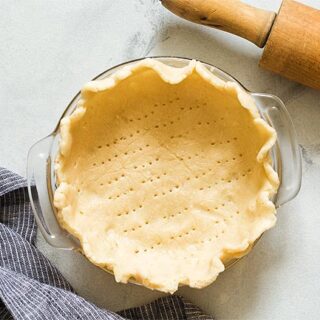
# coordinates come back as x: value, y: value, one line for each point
x: 49, y: 49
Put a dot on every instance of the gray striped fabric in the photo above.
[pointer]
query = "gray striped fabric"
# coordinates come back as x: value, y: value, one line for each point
x: 32, y: 288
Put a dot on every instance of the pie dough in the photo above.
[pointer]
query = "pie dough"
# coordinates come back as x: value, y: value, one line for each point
x: 164, y: 174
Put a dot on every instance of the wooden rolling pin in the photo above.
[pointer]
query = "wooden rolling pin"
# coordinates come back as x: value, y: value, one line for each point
x: 291, y: 38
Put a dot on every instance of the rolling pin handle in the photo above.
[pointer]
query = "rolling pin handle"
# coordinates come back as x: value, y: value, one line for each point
x: 232, y: 16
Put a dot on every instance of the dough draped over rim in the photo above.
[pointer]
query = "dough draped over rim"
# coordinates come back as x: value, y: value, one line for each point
x: 164, y: 174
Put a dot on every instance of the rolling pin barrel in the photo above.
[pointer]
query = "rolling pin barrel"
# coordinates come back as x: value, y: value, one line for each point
x: 293, y: 47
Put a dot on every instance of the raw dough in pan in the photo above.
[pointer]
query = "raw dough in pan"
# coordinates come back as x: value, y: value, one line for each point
x: 164, y: 174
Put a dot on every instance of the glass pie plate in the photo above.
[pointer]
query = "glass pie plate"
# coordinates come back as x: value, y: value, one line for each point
x: 286, y: 158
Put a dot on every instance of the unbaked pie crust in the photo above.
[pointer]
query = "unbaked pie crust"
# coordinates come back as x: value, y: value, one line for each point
x: 164, y: 174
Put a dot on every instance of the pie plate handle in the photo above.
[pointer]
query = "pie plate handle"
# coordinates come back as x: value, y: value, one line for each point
x: 286, y: 153
x: 40, y: 178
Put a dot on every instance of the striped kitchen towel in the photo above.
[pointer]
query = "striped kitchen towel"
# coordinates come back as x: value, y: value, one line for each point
x: 32, y: 288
